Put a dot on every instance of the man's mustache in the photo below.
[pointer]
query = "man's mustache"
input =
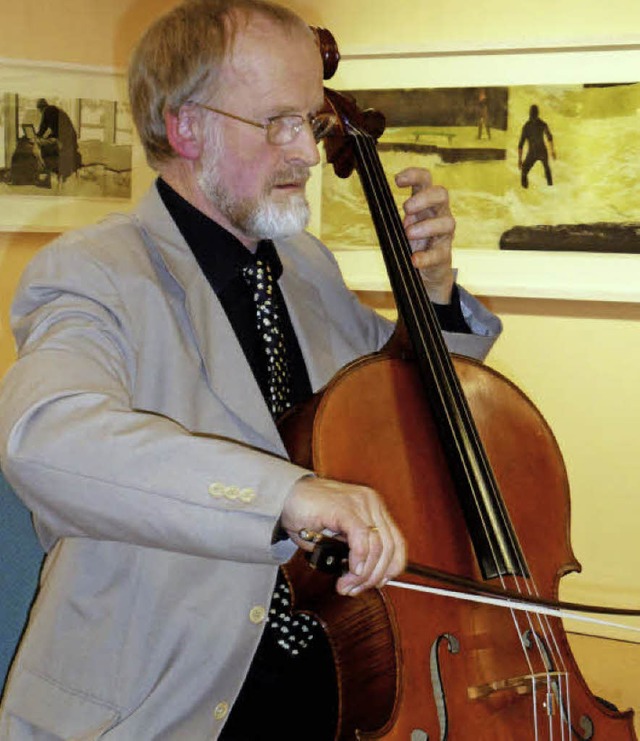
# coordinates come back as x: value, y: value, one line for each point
x: 292, y: 176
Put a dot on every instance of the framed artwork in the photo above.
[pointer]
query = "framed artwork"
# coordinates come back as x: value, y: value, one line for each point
x: 540, y: 151
x: 68, y: 153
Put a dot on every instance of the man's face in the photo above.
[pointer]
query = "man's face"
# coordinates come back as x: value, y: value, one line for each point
x: 257, y: 189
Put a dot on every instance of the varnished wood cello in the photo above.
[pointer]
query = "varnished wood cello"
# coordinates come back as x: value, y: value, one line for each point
x: 466, y: 465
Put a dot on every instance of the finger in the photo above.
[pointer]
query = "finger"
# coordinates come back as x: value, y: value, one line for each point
x: 385, y: 557
x: 416, y: 178
x: 388, y: 565
x: 381, y: 548
x: 362, y: 559
x: 433, y: 199
x: 427, y: 229
x: 365, y: 551
x: 395, y: 547
x: 399, y: 561
x: 436, y: 255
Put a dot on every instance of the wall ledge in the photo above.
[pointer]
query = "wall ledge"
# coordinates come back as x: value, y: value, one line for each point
x: 556, y: 275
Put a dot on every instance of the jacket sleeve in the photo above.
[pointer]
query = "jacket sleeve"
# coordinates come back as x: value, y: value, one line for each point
x: 485, y: 327
x: 88, y: 464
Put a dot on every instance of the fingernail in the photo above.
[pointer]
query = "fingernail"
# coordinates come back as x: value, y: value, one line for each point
x: 360, y: 568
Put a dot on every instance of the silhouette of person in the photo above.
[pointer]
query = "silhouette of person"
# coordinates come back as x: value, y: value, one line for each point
x: 58, y: 140
x: 534, y: 132
x: 483, y: 114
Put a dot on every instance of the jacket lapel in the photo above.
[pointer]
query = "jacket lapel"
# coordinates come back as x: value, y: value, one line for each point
x: 307, y: 313
x: 227, y: 371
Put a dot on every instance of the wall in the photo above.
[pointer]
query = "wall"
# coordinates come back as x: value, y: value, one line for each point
x: 578, y: 360
x: 91, y: 32
x: 365, y: 26
x: 15, y: 252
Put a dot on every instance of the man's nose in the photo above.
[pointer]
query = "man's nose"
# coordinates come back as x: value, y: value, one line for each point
x: 304, y: 148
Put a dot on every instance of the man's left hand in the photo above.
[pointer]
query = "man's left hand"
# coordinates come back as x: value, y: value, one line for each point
x: 429, y: 226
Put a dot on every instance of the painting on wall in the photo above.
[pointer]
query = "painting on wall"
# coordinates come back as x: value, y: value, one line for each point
x: 68, y: 151
x: 528, y: 167
x: 54, y: 146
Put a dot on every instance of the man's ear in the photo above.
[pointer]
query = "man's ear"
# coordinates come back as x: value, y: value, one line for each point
x: 183, y: 131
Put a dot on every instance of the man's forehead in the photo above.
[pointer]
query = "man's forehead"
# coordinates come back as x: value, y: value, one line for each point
x: 260, y: 41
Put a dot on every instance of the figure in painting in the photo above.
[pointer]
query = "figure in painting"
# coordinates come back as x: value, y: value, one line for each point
x: 483, y: 113
x: 27, y: 165
x: 58, y: 140
x: 534, y: 132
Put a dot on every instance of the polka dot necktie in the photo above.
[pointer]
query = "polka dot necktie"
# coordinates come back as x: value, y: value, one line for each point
x: 259, y: 277
x: 293, y: 632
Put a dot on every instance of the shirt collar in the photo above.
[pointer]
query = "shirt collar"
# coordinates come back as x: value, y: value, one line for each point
x: 220, y: 255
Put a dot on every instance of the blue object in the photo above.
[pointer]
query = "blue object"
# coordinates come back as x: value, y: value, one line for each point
x: 21, y: 557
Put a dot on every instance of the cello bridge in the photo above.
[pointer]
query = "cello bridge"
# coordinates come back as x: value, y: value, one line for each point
x: 546, y: 682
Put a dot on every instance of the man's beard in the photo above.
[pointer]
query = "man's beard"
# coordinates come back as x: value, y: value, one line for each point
x: 261, y: 217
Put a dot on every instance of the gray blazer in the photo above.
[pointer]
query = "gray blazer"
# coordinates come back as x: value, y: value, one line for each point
x: 134, y: 430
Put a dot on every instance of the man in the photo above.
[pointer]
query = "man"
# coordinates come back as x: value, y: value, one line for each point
x: 58, y: 140
x: 139, y: 421
x: 534, y: 132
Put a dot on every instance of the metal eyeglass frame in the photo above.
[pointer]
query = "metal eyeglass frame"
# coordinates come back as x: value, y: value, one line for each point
x: 289, y: 124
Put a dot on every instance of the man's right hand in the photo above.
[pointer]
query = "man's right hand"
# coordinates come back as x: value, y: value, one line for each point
x: 356, y: 514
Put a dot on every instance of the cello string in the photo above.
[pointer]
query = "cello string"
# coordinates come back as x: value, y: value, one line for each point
x: 520, y: 633
x: 406, y: 269
x: 541, y: 609
x: 544, y: 625
x: 407, y: 272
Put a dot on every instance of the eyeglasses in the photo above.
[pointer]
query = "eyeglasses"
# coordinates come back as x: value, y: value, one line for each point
x: 283, y: 130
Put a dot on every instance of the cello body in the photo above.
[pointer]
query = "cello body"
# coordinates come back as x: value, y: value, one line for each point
x: 422, y: 667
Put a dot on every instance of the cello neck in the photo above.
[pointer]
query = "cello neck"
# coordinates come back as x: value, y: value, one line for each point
x: 492, y: 534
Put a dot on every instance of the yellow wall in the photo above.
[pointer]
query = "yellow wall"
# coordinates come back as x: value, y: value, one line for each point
x: 102, y: 33
x: 15, y: 251
x: 364, y: 26
x: 578, y: 360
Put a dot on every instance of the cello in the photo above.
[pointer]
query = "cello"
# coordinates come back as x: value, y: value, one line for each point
x: 465, y: 464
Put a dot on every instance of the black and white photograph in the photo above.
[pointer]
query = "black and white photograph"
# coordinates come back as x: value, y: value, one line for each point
x: 53, y: 146
x: 68, y: 150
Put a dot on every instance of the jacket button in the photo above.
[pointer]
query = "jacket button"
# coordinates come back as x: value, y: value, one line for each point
x: 216, y: 489
x: 247, y: 495
x: 257, y: 614
x: 221, y: 709
x: 232, y: 492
